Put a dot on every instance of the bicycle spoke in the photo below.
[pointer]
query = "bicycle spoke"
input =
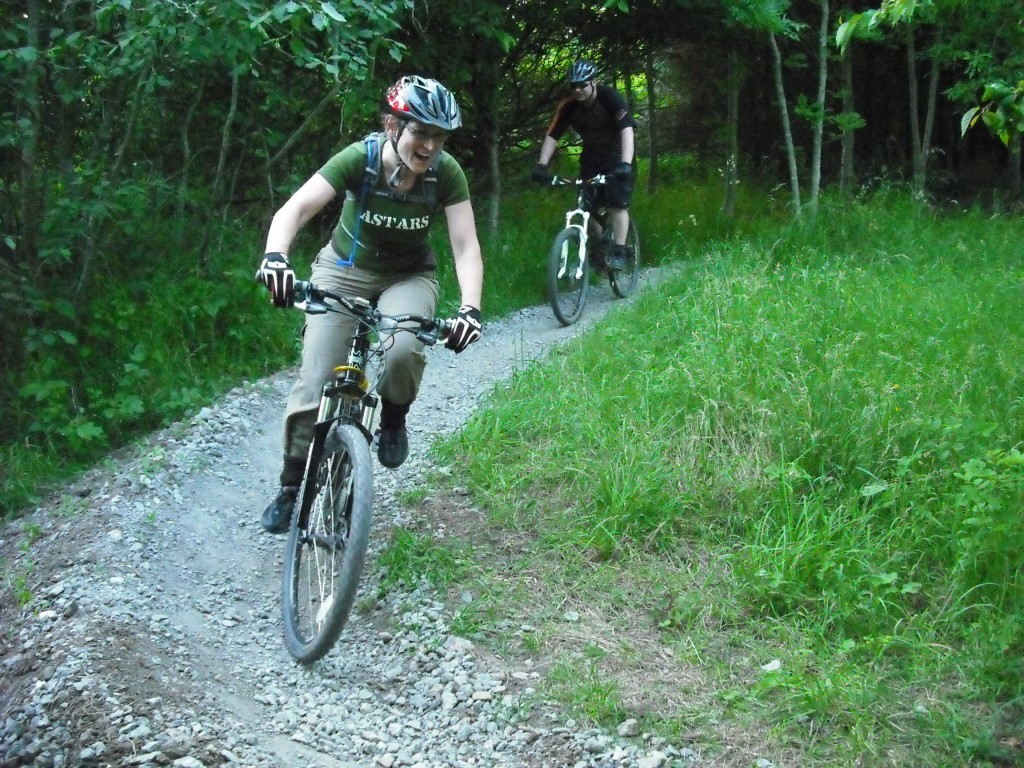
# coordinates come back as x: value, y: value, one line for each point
x: 325, y: 555
x: 327, y: 536
x: 568, y: 274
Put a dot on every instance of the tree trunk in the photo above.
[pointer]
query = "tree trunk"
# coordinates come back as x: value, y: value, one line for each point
x: 216, y: 196
x: 652, y: 131
x: 921, y: 139
x: 112, y: 177
x: 133, y: 119
x: 929, y: 119
x: 787, y: 131
x: 733, y: 120
x: 487, y: 154
x: 847, y: 174
x: 494, y: 172
x: 329, y: 98
x: 1014, y: 167
x: 186, y: 160
x: 31, y: 205
x: 917, y: 158
x: 22, y: 236
x: 819, y: 111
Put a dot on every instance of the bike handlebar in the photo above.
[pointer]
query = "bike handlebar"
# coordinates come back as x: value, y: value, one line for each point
x: 597, y: 181
x: 313, y: 301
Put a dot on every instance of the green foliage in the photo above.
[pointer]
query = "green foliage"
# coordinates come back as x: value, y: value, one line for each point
x: 891, y: 12
x: 341, y: 41
x: 981, y: 39
x: 143, y: 355
x: 1002, y: 111
x: 109, y: 205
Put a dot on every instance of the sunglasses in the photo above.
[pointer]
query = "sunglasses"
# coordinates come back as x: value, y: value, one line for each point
x: 423, y: 136
x: 579, y: 86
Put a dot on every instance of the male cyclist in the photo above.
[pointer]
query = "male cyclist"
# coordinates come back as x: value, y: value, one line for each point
x: 600, y: 116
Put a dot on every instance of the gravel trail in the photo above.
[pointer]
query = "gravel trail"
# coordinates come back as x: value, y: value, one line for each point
x: 153, y: 634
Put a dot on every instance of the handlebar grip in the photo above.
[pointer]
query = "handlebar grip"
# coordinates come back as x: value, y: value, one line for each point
x: 309, y: 298
x: 439, y: 331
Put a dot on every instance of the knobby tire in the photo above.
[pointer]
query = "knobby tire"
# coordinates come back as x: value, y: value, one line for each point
x: 327, y: 546
x: 567, y: 292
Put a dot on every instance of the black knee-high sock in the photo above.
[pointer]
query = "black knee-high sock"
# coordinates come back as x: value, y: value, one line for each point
x: 392, y: 415
x: 291, y: 472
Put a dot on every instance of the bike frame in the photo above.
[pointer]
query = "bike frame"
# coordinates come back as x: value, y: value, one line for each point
x: 349, y: 398
x: 330, y: 530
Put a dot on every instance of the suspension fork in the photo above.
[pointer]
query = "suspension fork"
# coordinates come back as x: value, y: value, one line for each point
x: 583, y: 226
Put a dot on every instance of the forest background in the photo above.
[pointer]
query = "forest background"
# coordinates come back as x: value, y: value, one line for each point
x: 839, y: 474
x: 144, y: 147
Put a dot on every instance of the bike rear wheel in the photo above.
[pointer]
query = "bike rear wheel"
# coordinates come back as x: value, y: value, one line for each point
x: 327, y: 545
x: 625, y: 280
x: 568, y: 276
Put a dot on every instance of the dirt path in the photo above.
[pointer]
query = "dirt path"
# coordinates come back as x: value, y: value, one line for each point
x: 152, y: 634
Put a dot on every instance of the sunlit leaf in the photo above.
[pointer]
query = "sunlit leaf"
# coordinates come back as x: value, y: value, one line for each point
x: 873, y: 489
x: 333, y: 12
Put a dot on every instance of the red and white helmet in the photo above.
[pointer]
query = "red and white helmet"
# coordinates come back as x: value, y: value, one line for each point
x: 425, y: 101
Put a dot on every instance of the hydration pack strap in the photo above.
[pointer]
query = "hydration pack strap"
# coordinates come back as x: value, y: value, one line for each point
x: 369, y: 178
x: 373, y: 144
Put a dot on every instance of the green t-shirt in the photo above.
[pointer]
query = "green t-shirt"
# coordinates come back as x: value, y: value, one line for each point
x: 393, y: 236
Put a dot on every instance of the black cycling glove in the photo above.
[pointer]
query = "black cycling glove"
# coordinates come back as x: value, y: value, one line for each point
x: 276, y: 273
x: 465, y: 330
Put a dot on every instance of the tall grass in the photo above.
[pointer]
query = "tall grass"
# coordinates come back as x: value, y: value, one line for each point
x: 833, y: 411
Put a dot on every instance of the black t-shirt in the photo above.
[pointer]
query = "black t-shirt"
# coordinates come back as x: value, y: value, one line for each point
x: 599, y: 125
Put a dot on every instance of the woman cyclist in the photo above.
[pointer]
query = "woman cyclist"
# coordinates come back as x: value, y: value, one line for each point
x: 380, y: 251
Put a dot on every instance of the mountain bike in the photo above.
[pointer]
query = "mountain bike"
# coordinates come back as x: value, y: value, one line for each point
x: 585, y: 244
x: 330, y: 528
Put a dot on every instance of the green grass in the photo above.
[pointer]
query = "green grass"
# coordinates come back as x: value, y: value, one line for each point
x: 805, y: 447
x: 582, y: 684
x: 411, y: 559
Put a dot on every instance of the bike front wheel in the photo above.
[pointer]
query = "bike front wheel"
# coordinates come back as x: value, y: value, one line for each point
x: 568, y: 276
x: 327, y: 545
x: 625, y: 280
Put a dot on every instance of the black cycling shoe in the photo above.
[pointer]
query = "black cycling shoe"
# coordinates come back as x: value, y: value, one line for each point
x: 393, y: 446
x: 278, y: 515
